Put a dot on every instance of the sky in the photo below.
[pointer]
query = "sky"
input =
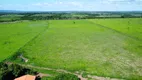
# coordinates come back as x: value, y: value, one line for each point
x: 71, y: 5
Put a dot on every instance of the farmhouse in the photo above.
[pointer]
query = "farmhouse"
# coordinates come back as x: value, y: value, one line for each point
x: 26, y: 77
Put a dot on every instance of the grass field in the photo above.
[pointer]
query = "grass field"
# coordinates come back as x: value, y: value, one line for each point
x: 108, y: 49
x: 15, y: 35
x: 129, y: 26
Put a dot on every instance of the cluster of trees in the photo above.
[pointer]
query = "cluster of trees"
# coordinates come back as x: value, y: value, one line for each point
x: 130, y: 16
x: 12, y: 71
x: 56, y: 16
x: 69, y: 15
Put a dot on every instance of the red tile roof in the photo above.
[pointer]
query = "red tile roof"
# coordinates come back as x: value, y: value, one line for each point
x: 26, y: 77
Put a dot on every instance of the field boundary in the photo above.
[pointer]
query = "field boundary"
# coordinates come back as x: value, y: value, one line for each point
x: 102, y: 26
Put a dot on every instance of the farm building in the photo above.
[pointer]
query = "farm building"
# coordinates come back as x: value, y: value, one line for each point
x: 26, y: 77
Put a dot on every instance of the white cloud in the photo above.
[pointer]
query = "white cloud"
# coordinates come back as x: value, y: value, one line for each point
x: 76, y: 4
x: 82, y: 5
x: 115, y: 1
x: 120, y: 1
x: 42, y: 4
x: 61, y: 4
x: 79, y: 5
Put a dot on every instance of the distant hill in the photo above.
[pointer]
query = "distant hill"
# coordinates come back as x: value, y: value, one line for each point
x: 16, y: 11
x: 10, y: 11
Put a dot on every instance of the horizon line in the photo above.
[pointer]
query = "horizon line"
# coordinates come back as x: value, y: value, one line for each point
x: 73, y: 10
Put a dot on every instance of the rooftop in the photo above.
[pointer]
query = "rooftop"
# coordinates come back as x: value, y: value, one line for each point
x: 26, y: 77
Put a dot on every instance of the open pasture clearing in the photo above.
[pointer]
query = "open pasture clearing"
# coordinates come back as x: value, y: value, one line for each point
x: 15, y: 35
x: 86, y: 47
x: 128, y: 26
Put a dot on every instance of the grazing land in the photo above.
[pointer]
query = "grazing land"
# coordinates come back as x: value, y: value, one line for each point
x: 130, y: 27
x: 102, y: 47
x: 16, y: 34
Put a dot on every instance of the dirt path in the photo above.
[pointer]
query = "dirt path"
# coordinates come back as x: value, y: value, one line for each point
x: 56, y: 70
x: 92, y: 77
x: 43, y: 75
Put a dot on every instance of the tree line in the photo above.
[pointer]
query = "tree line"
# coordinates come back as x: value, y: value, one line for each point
x: 58, y: 16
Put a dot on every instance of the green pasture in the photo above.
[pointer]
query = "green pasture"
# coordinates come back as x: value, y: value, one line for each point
x: 129, y: 26
x: 15, y: 35
x: 84, y: 46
